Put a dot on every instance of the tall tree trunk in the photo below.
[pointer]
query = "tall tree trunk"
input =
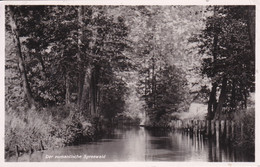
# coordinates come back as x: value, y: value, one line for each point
x: 251, y: 27
x: 153, y: 82
x: 94, y: 90
x: 21, y: 63
x: 85, y: 90
x: 81, y: 73
x: 233, y: 95
x: 148, y: 88
x: 98, y: 100
x: 222, y: 98
x: 245, y: 97
x: 67, y: 95
x: 80, y: 86
x: 145, y: 86
x: 212, y: 102
x: 148, y: 85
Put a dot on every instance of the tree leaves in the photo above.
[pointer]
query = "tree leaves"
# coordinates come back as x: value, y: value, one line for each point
x: 232, y: 56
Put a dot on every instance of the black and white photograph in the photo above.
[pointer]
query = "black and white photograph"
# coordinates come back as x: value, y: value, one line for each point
x: 129, y: 83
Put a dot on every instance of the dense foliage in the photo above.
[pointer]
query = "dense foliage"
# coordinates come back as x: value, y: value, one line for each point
x: 64, y: 55
x: 66, y: 58
x: 228, y: 47
x: 68, y: 68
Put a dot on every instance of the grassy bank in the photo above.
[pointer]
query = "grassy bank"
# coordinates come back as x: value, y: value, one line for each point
x: 49, y: 128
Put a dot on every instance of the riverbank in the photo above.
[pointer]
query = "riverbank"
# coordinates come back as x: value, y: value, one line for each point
x: 52, y: 128
x: 133, y: 143
x: 237, y: 130
x: 28, y: 131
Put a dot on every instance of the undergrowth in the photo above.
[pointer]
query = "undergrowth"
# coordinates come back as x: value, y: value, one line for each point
x: 53, y: 127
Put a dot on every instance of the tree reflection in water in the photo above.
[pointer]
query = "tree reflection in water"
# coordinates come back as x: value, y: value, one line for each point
x: 140, y: 144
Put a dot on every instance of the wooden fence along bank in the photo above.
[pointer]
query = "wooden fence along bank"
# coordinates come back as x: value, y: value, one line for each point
x: 223, y: 130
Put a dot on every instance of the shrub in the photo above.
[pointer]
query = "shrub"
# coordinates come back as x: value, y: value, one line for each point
x: 25, y: 130
x: 55, y: 127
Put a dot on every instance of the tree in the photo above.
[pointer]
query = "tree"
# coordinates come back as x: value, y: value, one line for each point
x: 70, y: 49
x: 21, y: 63
x: 104, y: 50
x: 153, y: 58
x: 230, y: 64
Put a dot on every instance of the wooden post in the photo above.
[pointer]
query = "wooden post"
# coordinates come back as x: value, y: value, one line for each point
x: 192, y: 126
x: 227, y: 129
x: 222, y: 128
x: 16, y: 151
x: 217, y: 133
x: 41, y: 145
x: 179, y: 124
x: 30, y: 150
x: 196, y: 127
x: 199, y: 125
x: 212, y: 127
x: 188, y: 125
x: 204, y: 125
x: 232, y: 130
x: 208, y: 127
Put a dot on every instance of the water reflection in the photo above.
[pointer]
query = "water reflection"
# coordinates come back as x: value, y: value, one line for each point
x: 139, y: 144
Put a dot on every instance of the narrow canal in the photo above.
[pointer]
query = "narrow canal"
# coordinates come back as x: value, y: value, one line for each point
x: 140, y: 144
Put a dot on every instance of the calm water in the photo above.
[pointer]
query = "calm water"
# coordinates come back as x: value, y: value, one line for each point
x: 139, y: 144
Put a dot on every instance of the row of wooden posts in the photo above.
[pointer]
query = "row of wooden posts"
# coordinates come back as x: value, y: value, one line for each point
x: 222, y: 129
